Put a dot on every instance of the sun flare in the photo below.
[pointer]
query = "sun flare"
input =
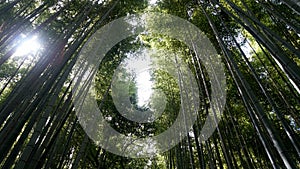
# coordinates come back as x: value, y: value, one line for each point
x: 28, y: 46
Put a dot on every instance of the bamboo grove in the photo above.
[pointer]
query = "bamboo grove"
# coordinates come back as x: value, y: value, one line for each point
x: 258, y: 42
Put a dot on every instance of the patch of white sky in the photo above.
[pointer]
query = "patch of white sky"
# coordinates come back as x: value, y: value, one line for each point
x: 246, y: 46
x: 28, y: 45
x: 152, y: 2
x: 140, y: 64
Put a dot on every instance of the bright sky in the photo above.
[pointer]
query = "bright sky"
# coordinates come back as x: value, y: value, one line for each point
x: 31, y: 45
x: 152, y: 2
x: 144, y: 85
x: 246, y: 47
x: 141, y: 65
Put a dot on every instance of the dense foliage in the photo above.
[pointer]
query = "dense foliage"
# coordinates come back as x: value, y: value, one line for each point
x: 258, y: 42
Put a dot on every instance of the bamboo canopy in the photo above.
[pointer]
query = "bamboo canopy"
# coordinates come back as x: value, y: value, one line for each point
x: 257, y: 41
